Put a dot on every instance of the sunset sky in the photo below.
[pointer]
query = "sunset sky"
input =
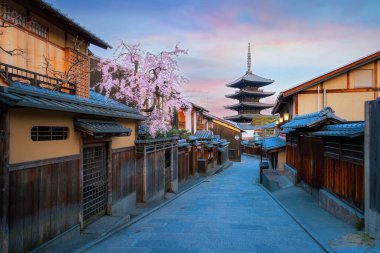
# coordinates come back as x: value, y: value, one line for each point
x: 292, y: 41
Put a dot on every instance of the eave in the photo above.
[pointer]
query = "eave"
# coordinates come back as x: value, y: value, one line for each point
x: 54, y: 16
x: 251, y: 105
x: 245, y: 93
x: 331, y: 74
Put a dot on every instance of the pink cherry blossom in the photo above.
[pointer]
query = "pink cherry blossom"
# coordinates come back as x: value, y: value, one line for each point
x: 149, y: 82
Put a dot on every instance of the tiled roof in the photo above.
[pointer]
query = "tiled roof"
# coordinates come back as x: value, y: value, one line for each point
x: 249, y: 93
x: 203, y: 134
x: 312, y: 119
x: 250, y: 79
x: 183, y: 143
x: 192, y: 138
x: 269, y: 126
x: 248, y: 105
x: 287, y: 130
x: 101, y: 128
x: 272, y: 143
x: 342, y: 130
x: 21, y: 95
x: 246, y: 126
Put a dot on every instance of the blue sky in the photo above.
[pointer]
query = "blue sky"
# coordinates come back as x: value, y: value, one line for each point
x: 292, y: 41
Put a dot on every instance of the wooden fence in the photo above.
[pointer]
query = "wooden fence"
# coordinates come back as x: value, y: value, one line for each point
x: 311, y: 167
x: 44, y: 201
x: 123, y: 173
x: 151, y: 162
x: 183, y: 165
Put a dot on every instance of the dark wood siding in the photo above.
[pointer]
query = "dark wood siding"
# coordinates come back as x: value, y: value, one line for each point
x: 44, y: 202
x: 292, y: 151
x: 183, y: 165
x: 344, y: 169
x: 311, y: 160
x: 229, y: 135
x: 123, y: 173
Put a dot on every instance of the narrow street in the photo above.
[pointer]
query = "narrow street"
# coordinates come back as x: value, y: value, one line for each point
x: 227, y: 213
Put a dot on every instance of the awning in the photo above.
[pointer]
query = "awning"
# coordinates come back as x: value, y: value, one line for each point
x: 101, y: 128
x: 221, y: 149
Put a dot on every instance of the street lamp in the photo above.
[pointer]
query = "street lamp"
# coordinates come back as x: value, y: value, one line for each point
x: 286, y: 116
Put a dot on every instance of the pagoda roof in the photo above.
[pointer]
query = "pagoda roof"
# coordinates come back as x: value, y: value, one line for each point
x: 250, y: 79
x: 250, y: 93
x: 238, y: 117
x: 251, y: 105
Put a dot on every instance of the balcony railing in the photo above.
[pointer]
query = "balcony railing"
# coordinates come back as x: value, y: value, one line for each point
x: 16, y: 74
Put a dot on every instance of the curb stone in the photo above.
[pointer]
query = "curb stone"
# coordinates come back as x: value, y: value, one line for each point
x: 325, y: 248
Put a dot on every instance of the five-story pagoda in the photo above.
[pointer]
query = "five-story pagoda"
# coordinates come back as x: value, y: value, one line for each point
x: 249, y: 96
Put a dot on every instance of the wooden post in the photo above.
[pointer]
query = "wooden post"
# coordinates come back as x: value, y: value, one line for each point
x: 4, y: 181
x: 144, y: 175
x: 80, y: 215
x: 109, y: 177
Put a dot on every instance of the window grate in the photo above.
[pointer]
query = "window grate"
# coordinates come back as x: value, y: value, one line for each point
x: 49, y: 133
x: 94, y: 182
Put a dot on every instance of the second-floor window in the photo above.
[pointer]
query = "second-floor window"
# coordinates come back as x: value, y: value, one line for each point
x: 12, y: 16
x: 39, y: 29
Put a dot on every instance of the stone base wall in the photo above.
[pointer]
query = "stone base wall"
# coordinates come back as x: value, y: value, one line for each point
x: 290, y: 173
x: 125, y: 205
x: 313, y: 191
x: 339, y: 209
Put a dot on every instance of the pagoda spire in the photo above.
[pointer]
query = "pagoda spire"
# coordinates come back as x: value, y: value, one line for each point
x: 249, y: 71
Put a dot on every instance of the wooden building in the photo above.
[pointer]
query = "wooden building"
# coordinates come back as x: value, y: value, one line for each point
x: 68, y: 153
x: 192, y: 119
x: 273, y: 149
x: 229, y: 131
x: 345, y: 89
x: 324, y: 154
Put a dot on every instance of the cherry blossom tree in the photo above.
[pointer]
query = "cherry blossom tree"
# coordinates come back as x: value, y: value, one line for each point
x: 149, y: 82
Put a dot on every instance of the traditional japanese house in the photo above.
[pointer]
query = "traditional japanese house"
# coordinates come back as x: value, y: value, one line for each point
x: 192, y: 119
x: 326, y: 154
x: 345, y: 89
x: 248, y: 95
x: 343, y: 170
x: 304, y: 153
x: 68, y: 154
x: 273, y: 149
x: 212, y: 152
x: 229, y: 131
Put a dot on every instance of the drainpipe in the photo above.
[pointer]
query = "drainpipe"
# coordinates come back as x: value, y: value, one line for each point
x: 324, y: 98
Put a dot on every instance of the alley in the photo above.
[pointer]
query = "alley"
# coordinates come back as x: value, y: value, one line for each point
x: 227, y: 213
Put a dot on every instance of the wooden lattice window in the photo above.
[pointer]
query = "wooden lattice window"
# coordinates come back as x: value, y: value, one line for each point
x: 39, y: 29
x: 49, y: 133
x: 81, y: 71
x: 12, y: 15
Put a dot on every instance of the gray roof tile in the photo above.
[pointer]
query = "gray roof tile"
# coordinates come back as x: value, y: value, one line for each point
x: 21, y: 95
x: 342, y: 130
x: 312, y: 119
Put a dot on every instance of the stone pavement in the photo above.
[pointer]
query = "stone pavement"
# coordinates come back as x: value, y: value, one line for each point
x: 337, y: 235
x: 229, y: 212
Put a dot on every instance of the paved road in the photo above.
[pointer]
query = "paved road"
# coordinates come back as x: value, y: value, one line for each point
x: 229, y: 213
